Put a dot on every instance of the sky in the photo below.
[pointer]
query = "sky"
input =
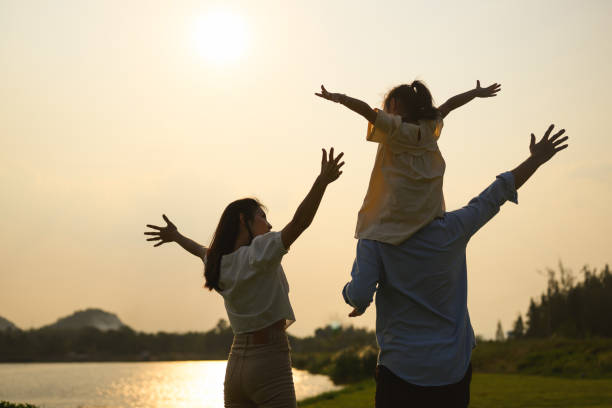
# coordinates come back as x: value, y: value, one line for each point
x: 114, y: 112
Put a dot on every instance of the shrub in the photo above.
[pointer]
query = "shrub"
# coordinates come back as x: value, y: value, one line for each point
x: 6, y: 404
x: 351, y: 365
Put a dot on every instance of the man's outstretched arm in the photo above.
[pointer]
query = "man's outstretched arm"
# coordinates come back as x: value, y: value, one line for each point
x: 541, y: 152
x: 483, y: 207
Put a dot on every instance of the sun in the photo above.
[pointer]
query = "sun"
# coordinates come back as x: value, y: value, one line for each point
x: 221, y: 36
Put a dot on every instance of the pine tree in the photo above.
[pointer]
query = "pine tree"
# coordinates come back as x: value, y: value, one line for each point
x: 519, y: 328
x: 499, y: 334
x: 534, y: 321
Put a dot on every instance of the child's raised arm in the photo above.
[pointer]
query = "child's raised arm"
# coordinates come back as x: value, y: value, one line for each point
x: 353, y: 104
x: 461, y: 99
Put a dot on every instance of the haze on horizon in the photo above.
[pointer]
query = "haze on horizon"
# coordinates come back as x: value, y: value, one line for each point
x: 116, y: 112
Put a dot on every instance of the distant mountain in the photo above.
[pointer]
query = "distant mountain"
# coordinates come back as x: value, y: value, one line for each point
x: 97, y: 318
x: 6, y: 325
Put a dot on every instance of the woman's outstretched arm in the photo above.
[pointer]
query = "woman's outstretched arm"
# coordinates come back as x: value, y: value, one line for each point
x: 330, y: 171
x: 353, y: 104
x: 463, y: 98
x: 170, y: 233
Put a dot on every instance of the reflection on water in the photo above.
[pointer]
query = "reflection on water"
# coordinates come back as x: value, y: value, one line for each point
x: 105, y: 385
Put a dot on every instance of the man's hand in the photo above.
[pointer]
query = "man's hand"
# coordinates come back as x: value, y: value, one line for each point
x: 546, y: 148
x: 334, y: 97
x: 330, y: 168
x: 487, y: 92
x: 541, y: 152
x: 356, y: 312
x: 169, y: 233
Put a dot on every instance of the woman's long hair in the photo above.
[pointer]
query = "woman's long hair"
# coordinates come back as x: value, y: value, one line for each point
x: 415, y: 101
x: 225, y: 236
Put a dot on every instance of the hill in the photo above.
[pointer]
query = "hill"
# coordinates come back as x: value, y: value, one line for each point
x: 7, y: 325
x: 97, y: 318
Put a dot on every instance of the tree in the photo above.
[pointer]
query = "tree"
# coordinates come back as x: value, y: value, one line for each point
x: 519, y: 328
x: 570, y: 308
x: 535, y: 326
x: 221, y: 326
x: 499, y: 334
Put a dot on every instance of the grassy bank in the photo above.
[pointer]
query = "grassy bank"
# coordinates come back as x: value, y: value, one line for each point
x: 494, y: 390
x: 567, y: 358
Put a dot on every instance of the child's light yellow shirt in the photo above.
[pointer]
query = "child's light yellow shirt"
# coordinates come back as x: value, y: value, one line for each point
x: 405, y: 191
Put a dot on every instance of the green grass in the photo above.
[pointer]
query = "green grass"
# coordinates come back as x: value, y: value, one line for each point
x: 355, y: 396
x: 514, y: 391
x: 495, y: 390
x: 556, y: 357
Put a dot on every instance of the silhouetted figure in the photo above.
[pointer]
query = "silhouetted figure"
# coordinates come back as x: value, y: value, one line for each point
x: 423, y: 326
x: 405, y: 189
x: 243, y: 264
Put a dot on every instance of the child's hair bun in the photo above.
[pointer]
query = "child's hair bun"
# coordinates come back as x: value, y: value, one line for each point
x: 415, y: 99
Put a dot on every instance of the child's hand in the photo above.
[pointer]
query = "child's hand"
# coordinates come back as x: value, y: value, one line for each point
x: 487, y: 92
x: 334, y: 97
x: 330, y: 168
x: 163, y: 234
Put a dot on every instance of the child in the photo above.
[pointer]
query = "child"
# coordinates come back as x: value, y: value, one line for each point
x: 405, y: 190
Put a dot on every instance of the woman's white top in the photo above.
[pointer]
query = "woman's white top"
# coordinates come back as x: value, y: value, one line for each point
x: 405, y: 190
x: 254, y: 286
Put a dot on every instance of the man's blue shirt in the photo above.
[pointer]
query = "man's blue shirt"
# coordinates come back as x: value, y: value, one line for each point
x: 423, y: 326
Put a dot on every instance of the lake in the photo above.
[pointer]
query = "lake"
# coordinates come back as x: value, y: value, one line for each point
x: 182, y: 384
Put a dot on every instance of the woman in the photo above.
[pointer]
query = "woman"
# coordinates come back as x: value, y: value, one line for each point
x: 243, y: 265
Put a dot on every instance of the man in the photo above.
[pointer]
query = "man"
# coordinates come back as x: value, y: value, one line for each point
x: 423, y: 326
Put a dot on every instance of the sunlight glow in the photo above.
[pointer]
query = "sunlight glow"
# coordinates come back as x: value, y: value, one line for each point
x: 221, y: 36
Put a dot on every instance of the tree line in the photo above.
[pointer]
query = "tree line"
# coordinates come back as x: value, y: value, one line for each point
x: 569, y: 308
x: 125, y: 344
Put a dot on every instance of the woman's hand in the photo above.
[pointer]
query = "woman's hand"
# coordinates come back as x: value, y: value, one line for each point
x: 330, y: 166
x: 169, y: 233
x: 487, y: 92
x: 334, y: 97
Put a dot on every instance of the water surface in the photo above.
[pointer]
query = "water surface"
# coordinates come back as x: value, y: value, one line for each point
x: 183, y: 384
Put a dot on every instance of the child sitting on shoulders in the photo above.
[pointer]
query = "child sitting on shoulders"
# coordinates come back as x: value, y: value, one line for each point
x: 405, y: 190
